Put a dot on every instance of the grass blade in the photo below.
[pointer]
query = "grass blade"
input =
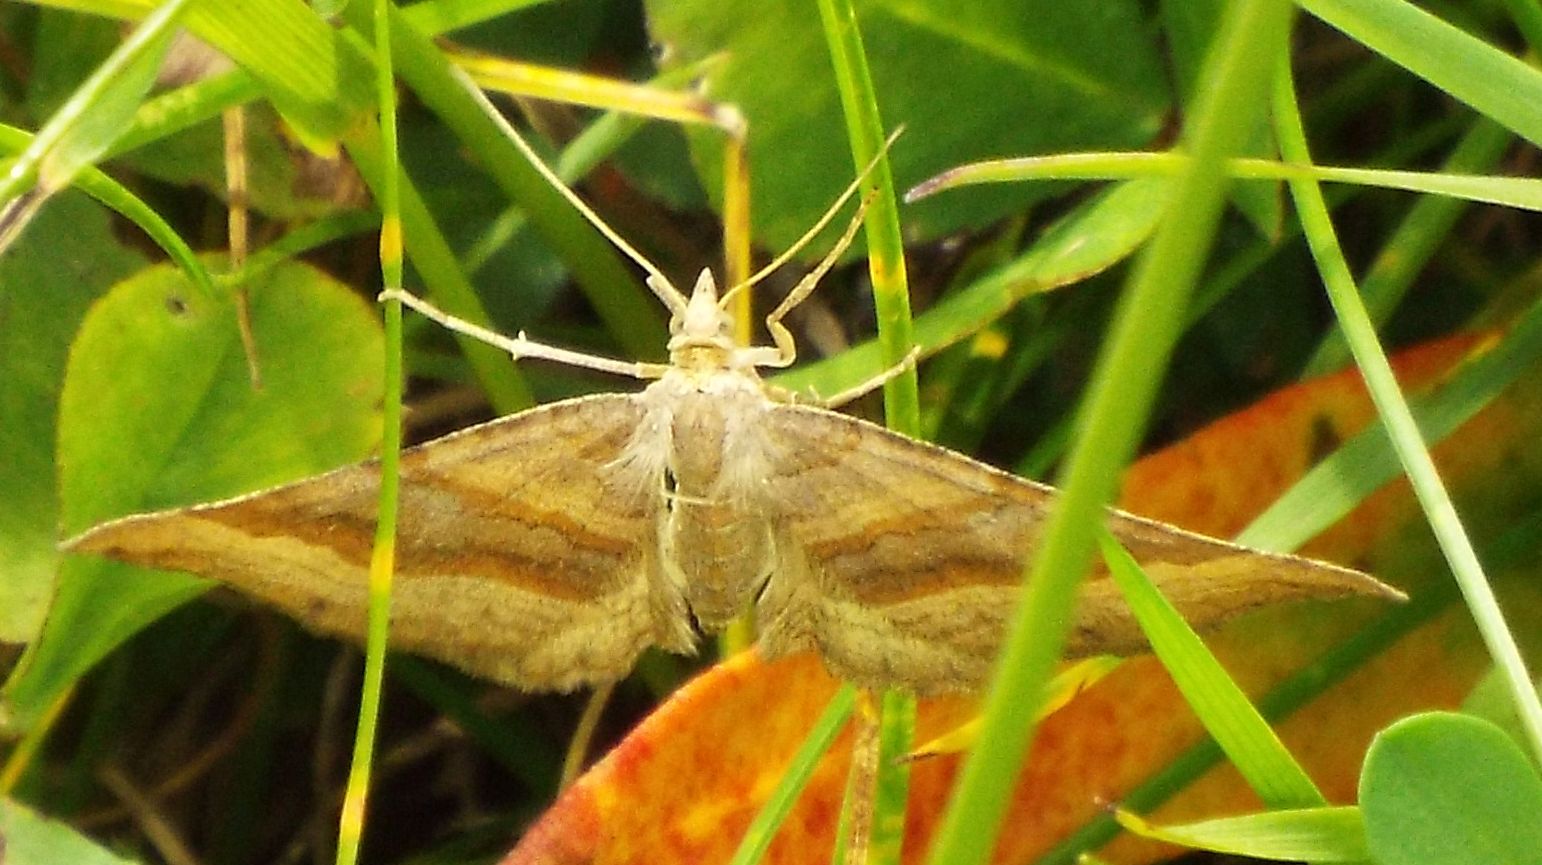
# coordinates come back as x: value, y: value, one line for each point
x: 1326, y: 834
x: 1496, y: 84
x: 1402, y: 428
x: 1124, y: 387
x: 902, y: 404
x: 382, y: 563
x: 757, y: 839
x: 1218, y: 701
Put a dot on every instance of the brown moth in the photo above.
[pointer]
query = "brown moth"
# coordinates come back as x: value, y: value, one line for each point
x: 549, y: 548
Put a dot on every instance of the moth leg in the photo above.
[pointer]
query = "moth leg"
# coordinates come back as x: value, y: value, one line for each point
x: 800, y: 243
x: 786, y: 349
x: 808, y: 236
x: 520, y: 347
x: 840, y: 398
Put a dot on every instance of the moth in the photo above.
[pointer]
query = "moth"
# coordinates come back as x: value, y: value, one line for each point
x: 547, y: 549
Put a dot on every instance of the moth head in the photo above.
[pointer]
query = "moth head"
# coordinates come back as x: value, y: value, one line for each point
x: 702, y: 322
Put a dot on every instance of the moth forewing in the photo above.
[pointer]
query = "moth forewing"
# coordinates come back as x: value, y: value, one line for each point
x: 520, y: 556
x: 913, y: 578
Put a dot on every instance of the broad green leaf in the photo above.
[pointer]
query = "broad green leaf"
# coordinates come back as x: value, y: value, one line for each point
x: 1491, y: 700
x: 1448, y: 789
x: 29, y: 838
x: 47, y: 280
x: 158, y: 411
x: 967, y: 79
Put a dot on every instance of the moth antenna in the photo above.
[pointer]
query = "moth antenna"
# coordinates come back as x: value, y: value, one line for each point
x: 824, y: 221
x: 672, y: 298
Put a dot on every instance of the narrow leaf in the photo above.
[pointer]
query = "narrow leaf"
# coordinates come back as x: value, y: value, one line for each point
x: 1220, y: 704
x: 1328, y: 834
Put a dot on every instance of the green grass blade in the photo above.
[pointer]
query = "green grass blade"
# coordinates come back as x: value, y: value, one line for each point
x: 628, y: 310
x: 320, y: 80
x: 902, y: 404
x: 886, y: 253
x: 1302, y: 687
x: 1326, y: 834
x: 299, y: 241
x: 382, y: 563
x: 185, y: 107
x: 1421, y: 232
x: 97, y: 184
x: 1366, y: 462
x: 1403, y: 429
x: 437, y: 263
x: 1514, y: 549
x: 314, y: 74
x: 1496, y: 84
x: 757, y: 839
x: 1090, y: 239
x: 1519, y: 192
x: 1219, y: 702
x: 598, y: 142
x: 438, y: 17
x: 1121, y: 396
x: 88, y: 123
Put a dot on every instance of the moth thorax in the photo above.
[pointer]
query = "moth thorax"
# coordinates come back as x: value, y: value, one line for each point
x: 701, y: 357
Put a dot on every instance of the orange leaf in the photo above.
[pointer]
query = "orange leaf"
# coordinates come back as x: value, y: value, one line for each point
x: 686, y: 782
